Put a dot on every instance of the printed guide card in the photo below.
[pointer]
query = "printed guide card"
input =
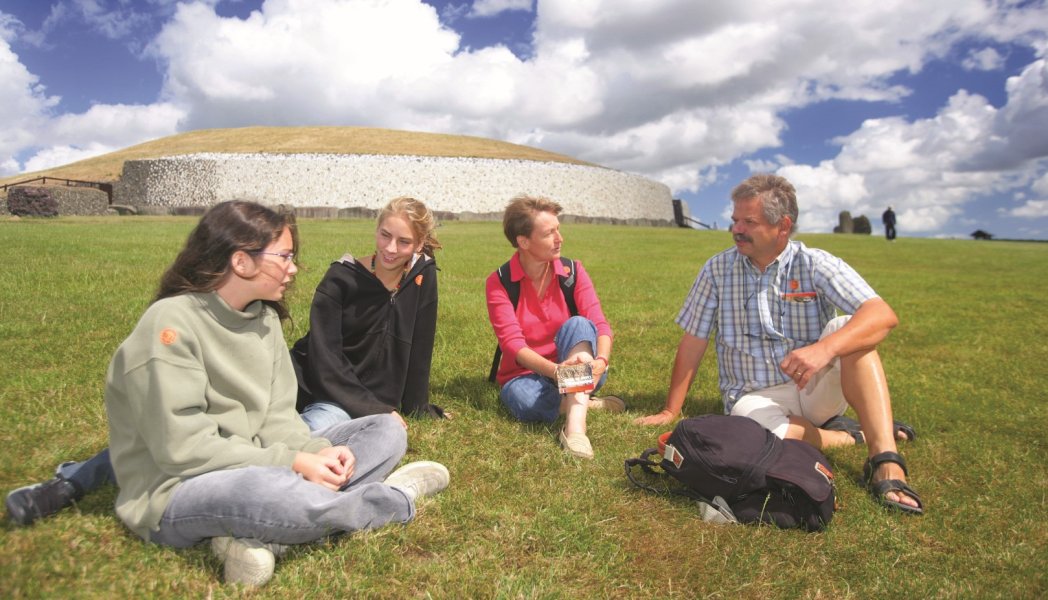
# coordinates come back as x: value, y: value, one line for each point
x: 575, y: 378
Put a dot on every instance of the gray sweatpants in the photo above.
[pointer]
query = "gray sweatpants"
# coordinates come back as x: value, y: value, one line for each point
x: 276, y: 505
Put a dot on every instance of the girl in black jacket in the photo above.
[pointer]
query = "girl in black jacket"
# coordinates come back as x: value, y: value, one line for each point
x: 372, y: 325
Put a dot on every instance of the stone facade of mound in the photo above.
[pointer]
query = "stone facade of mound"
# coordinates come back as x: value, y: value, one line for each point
x: 348, y: 184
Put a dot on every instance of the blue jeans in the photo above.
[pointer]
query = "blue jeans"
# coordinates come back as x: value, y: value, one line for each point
x: 533, y: 397
x: 321, y: 415
x: 90, y: 474
x: 276, y: 505
x: 93, y: 473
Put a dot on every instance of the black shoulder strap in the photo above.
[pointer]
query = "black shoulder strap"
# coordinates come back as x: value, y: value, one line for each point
x: 715, y: 510
x: 513, y: 291
x: 512, y: 287
x: 567, y: 285
x: 649, y: 466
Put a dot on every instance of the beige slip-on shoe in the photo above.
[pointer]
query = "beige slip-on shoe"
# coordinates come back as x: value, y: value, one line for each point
x: 576, y: 444
x: 612, y: 404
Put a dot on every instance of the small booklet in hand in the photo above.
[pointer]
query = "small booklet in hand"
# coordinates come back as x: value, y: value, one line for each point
x: 575, y: 378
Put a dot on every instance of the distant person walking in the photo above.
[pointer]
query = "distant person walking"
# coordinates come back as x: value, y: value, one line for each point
x: 888, y: 218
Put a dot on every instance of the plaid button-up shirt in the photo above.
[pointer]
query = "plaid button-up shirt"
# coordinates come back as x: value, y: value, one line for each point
x: 759, y: 318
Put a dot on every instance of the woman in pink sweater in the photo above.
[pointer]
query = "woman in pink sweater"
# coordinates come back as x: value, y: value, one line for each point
x: 539, y: 333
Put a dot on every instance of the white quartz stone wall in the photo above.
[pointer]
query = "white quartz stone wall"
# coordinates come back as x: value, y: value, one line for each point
x: 457, y: 185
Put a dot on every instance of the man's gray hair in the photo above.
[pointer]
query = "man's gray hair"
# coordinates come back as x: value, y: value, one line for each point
x: 777, y: 195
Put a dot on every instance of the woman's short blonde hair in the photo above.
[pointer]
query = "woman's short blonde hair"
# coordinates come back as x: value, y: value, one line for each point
x: 519, y: 218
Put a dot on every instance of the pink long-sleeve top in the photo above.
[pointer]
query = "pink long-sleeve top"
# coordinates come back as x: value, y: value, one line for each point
x: 536, y: 321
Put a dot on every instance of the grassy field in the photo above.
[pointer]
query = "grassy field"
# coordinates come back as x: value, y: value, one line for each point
x: 967, y: 368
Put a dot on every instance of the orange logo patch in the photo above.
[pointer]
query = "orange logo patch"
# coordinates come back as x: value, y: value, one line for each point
x: 418, y: 279
x: 794, y: 284
x: 825, y: 472
x: 168, y: 336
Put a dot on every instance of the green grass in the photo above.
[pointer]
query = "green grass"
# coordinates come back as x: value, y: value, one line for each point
x: 967, y: 367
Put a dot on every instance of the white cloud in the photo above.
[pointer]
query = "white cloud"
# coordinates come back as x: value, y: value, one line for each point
x: 1040, y: 186
x: 317, y: 62
x: 9, y: 166
x: 56, y: 156
x: 1018, y: 130
x: 822, y: 192
x: 9, y: 27
x: 986, y: 59
x: 112, y: 22
x: 1032, y: 209
x: 30, y: 129
x: 102, y: 129
x: 930, y: 169
x: 115, y: 124
x: 490, y: 8
x: 23, y: 100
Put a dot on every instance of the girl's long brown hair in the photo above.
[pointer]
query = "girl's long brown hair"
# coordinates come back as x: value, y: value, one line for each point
x: 223, y: 230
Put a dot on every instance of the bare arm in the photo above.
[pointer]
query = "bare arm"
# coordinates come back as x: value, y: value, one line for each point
x: 690, y: 351
x: 533, y: 361
x: 603, y: 350
x: 867, y: 328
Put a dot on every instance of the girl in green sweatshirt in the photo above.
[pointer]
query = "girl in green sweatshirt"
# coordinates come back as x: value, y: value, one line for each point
x: 204, y: 437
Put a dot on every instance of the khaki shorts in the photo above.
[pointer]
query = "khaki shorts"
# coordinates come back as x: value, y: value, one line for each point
x: 819, y: 401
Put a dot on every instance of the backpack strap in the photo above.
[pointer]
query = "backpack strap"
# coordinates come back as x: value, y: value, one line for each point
x: 567, y: 286
x: 513, y: 291
x: 647, y: 465
x: 512, y: 287
x: 716, y: 510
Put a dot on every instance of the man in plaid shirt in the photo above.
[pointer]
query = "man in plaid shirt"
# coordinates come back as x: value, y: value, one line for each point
x: 784, y: 358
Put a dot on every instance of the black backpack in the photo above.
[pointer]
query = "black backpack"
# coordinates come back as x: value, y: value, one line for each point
x: 741, y: 468
x: 567, y: 285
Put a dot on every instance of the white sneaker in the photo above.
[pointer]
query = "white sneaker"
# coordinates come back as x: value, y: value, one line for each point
x: 420, y: 479
x: 245, y: 560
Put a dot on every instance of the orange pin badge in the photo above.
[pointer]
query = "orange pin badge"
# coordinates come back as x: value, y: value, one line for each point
x: 418, y: 279
x: 794, y: 296
x: 168, y: 336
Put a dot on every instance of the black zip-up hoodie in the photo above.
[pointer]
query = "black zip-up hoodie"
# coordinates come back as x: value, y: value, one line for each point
x: 369, y: 350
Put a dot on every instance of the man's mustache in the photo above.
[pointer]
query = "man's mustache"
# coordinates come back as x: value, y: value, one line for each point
x: 740, y: 237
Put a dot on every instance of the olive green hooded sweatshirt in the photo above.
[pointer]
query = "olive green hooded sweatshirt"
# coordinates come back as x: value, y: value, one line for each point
x: 198, y: 387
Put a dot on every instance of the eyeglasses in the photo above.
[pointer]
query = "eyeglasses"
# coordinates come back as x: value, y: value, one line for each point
x: 287, y: 256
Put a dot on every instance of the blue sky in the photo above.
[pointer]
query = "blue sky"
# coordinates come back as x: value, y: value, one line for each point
x: 938, y: 107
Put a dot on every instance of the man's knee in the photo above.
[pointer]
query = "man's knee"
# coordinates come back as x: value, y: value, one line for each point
x: 771, y: 416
